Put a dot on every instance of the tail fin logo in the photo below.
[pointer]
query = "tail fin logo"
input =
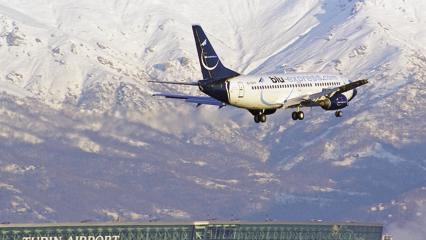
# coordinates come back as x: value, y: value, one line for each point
x: 204, y: 58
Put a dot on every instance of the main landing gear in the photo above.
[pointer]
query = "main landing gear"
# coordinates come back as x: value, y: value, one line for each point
x: 299, y: 115
x: 338, y: 113
x: 261, y: 117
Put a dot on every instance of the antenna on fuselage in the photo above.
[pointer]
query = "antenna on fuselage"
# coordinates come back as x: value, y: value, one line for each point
x: 284, y: 68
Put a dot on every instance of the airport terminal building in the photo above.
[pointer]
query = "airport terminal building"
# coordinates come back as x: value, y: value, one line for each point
x: 193, y: 231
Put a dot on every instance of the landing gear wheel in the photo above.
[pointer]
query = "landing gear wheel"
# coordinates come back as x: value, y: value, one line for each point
x: 294, y: 116
x: 256, y: 118
x: 338, y: 113
x: 262, y: 118
x: 300, y: 115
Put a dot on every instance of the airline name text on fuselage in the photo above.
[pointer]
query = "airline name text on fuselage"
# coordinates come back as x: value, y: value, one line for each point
x: 302, y: 78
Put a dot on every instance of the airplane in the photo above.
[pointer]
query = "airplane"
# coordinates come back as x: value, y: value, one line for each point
x: 264, y: 94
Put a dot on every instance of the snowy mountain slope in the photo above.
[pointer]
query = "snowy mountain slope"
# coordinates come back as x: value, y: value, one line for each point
x: 83, y: 139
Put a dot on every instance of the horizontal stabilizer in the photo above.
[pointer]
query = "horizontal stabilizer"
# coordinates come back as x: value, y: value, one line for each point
x: 177, y: 83
x: 199, y: 100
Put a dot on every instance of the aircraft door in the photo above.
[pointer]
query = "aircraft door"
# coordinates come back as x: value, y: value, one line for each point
x: 241, y: 89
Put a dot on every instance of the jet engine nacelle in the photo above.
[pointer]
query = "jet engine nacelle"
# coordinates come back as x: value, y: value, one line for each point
x: 335, y: 102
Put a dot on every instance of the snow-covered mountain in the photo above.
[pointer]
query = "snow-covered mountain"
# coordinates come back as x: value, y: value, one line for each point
x: 82, y: 138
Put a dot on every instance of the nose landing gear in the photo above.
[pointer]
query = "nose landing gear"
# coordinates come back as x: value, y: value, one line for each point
x: 338, y: 113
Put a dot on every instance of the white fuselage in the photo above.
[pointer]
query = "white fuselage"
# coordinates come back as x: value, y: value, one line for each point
x: 271, y: 91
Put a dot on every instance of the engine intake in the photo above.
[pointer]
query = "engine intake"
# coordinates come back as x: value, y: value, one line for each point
x: 337, y: 101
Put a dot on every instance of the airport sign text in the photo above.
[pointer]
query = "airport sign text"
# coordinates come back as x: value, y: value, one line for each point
x: 108, y: 237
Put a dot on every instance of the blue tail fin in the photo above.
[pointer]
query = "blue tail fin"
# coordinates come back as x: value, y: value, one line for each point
x: 211, y: 66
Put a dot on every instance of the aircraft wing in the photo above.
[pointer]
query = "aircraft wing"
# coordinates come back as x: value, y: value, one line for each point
x: 352, y: 85
x: 310, y: 100
x: 199, y: 100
